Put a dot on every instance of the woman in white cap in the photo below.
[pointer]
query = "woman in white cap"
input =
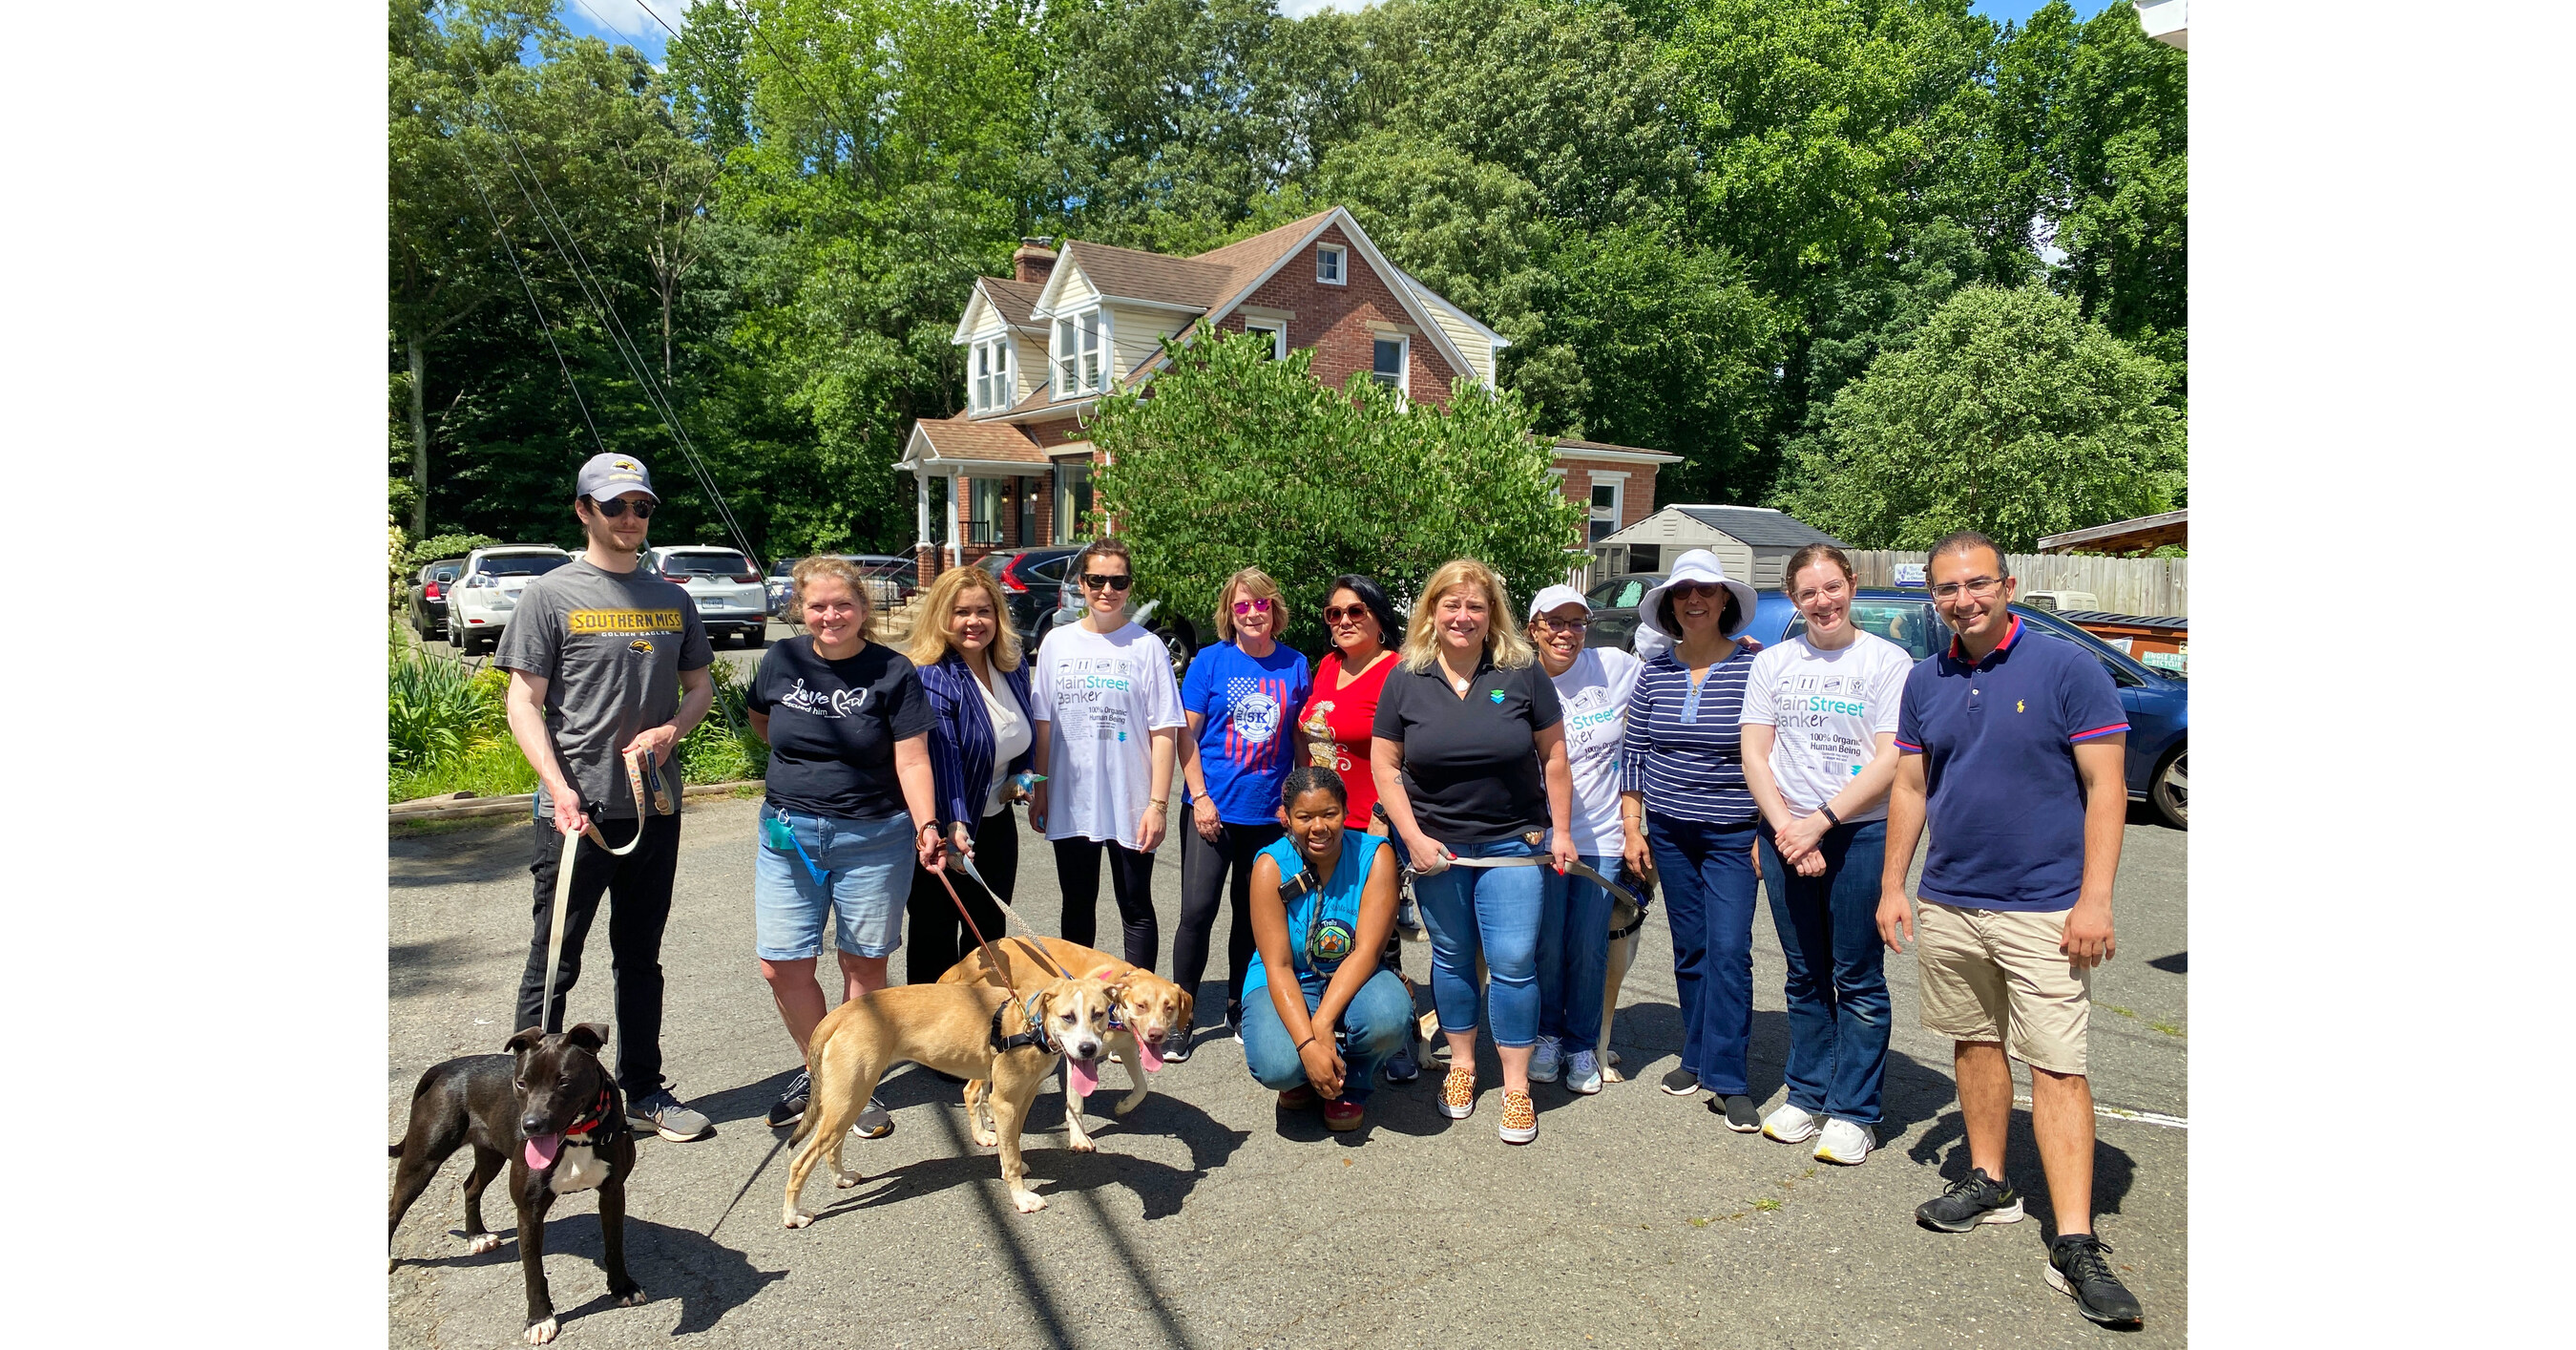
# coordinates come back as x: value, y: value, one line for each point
x: 1819, y: 753
x: 1690, y: 817
x: 1592, y: 685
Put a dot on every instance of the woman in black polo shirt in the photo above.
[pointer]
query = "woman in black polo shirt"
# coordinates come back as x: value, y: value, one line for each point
x: 1469, y: 758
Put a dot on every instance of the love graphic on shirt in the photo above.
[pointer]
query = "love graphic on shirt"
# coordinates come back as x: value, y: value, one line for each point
x: 838, y: 703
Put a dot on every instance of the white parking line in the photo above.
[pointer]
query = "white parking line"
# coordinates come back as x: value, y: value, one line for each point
x: 2121, y: 1113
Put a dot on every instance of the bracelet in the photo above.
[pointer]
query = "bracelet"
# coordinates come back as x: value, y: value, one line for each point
x: 1827, y: 811
x: 1158, y: 801
x: 1301, y: 1045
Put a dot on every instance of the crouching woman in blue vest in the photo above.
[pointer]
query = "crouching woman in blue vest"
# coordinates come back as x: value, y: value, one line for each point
x: 1319, y: 1015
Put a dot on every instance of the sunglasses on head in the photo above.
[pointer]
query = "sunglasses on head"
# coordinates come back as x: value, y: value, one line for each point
x: 617, y: 506
x: 1259, y: 604
x: 1345, y: 613
x: 1097, y: 581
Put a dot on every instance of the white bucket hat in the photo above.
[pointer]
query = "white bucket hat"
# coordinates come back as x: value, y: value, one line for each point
x: 1698, y: 565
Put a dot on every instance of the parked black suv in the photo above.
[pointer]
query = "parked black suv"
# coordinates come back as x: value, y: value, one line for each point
x: 429, y: 597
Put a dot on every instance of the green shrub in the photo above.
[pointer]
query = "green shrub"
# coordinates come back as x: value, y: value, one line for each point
x: 722, y: 749
x: 488, y: 768
x: 432, y: 710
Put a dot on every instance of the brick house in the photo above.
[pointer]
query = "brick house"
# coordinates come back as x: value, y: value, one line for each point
x: 1013, y: 470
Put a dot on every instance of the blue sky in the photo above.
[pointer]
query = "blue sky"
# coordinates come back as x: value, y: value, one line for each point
x: 630, y: 22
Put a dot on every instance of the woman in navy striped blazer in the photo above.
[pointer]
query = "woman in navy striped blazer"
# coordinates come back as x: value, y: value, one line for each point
x: 981, y: 735
x: 1689, y: 813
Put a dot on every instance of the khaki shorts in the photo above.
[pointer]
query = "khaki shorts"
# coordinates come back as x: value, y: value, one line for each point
x: 1997, y: 975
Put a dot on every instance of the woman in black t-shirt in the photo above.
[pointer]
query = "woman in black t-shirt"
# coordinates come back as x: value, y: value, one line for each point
x: 848, y: 728
x: 1469, y: 755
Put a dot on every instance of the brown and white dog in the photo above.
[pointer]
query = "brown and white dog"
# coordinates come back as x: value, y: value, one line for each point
x: 969, y: 1031
x: 1151, y: 1013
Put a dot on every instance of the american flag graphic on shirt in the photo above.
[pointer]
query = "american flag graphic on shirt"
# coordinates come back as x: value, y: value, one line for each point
x: 1256, y: 708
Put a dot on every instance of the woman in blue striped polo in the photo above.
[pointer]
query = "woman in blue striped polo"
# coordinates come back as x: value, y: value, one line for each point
x: 1690, y: 816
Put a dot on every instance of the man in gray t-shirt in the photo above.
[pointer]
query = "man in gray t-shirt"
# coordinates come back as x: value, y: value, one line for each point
x: 605, y: 661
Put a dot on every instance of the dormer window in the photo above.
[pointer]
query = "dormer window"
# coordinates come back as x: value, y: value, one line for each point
x: 1330, y: 266
x: 1389, y: 364
x: 1081, y: 353
x: 989, y: 367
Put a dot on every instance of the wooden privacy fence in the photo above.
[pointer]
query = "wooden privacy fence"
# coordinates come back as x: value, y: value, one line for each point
x: 2153, y: 587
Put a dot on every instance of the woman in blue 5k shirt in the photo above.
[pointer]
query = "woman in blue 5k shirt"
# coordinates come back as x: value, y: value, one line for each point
x: 1240, y: 698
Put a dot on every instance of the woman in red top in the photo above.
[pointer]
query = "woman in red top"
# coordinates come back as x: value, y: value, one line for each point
x: 1336, y: 721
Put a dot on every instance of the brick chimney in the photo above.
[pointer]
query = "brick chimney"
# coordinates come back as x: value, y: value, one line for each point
x: 1033, y: 261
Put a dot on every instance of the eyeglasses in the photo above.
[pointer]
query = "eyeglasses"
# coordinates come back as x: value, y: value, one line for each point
x: 1561, y: 625
x: 1099, y: 582
x: 1814, y: 593
x: 1259, y: 604
x: 1979, y: 586
x: 617, y: 506
x: 1340, y: 614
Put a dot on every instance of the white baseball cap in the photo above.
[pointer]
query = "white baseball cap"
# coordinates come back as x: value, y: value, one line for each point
x: 1556, y: 597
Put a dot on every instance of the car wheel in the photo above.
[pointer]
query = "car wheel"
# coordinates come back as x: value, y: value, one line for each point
x: 2170, y: 790
x: 1183, y: 651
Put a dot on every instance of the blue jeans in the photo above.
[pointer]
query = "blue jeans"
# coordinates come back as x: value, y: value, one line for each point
x: 868, y: 867
x: 1837, y: 986
x: 1708, y: 882
x: 1379, y: 1022
x: 1569, y: 984
x: 1500, y: 910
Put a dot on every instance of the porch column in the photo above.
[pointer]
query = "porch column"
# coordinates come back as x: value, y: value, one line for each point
x: 956, y: 513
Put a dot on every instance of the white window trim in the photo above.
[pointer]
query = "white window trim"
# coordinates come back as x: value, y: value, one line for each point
x: 1057, y: 355
x: 1004, y: 389
x: 1278, y: 331
x: 1341, y: 265
x: 1403, y: 361
x: 1618, y: 485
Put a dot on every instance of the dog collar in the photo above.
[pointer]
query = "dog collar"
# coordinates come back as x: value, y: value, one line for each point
x: 1034, y: 1035
x: 601, y: 1112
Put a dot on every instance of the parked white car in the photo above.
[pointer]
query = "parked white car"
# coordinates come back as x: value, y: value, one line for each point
x: 487, y: 591
x: 727, y: 588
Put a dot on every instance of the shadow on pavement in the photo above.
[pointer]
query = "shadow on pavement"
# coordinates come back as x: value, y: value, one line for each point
x: 2177, y: 964
x: 418, y: 967
x: 2113, y: 1170
x: 485, y: 855
x: 708, y: 1278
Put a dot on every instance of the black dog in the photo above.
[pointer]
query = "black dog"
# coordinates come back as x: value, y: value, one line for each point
x: 557, y: 1117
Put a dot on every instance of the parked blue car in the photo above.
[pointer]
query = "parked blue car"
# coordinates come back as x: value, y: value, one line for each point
x: 2159, y: 705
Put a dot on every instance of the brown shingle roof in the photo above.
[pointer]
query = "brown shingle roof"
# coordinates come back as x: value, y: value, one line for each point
x: 1133, y: 274
x: 1015, y: 299
x: 958, y: 438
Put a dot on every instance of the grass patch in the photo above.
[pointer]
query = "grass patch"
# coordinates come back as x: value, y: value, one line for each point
x: 2120, y: 1010
x: 1766, y: 1204
x: 2167, y: 1028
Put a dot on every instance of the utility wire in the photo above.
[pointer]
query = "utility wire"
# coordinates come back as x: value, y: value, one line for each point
x: 511, y: 251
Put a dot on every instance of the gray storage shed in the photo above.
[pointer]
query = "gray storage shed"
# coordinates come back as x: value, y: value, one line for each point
x: 1753, y: 542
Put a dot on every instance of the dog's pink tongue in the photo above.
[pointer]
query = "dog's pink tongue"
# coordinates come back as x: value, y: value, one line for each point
x: 1151, y: 1053
x: 1083, y: 1075
x: 541, y: 1149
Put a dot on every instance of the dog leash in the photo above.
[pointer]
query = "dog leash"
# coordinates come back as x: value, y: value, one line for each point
x: 547, y: 1018
x: 967, y: 865
x: 1576, y: 868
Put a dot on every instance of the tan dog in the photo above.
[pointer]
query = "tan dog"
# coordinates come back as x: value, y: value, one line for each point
x: 951, y: 1028
x: 1152, y: 1011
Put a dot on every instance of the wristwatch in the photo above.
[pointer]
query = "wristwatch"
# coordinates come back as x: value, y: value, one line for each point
x: 1827, y: 811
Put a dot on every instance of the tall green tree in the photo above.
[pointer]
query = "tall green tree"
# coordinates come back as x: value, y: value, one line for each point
x: 1238, y: 460
x: 2008, y: 412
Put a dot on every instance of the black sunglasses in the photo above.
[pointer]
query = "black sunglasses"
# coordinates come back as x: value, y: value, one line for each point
x: 1098, y: 582
x: 616, y: 506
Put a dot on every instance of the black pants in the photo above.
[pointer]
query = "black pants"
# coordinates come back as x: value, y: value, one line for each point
x: 641, y: 885
x: 1204, y: 871
x: 1131, y: 879
x: 939, y: 939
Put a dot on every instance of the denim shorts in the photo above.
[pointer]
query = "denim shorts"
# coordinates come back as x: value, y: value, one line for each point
x: 868, y: 864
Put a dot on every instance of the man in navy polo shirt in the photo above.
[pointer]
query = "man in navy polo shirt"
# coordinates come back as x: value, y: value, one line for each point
x: 2012, y: 747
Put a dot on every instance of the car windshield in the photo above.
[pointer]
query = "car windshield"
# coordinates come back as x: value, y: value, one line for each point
x: 521, y: 564
x: 1621, y: 592
x: 1910, y: 624
x: 705, y: 564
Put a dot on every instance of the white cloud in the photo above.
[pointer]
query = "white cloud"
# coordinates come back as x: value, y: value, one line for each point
x: 634, y: 18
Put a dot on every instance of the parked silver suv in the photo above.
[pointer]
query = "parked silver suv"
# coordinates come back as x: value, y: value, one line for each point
x: 479, y: 605
x: 726, y: 587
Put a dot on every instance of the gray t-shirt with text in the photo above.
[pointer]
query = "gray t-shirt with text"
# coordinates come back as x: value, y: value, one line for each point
x: 610, y: 648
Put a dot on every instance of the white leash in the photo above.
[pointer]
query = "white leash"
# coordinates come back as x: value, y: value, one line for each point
x: 662, y: 805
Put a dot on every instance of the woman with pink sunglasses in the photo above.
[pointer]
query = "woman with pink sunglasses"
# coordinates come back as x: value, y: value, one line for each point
x: 1240, y: 699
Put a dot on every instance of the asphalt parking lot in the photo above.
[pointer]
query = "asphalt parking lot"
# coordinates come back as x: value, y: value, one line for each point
x: 1209, y: 1219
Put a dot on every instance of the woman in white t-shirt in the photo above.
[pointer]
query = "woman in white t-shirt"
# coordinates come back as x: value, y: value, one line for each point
x: 1819, y: 755
x: 1592, y: 685
x: 1108, y: 729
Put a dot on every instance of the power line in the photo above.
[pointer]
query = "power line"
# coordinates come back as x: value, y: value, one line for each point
x: 511, y: 251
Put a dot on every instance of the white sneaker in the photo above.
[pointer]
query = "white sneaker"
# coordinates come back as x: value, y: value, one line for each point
x: 1583, y: 1073
x: 1789, y: 1125
x: 1846, y: 1142
x: 1547, y: 1060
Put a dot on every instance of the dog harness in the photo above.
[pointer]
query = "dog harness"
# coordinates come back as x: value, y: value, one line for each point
x: 1035, y: 1034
